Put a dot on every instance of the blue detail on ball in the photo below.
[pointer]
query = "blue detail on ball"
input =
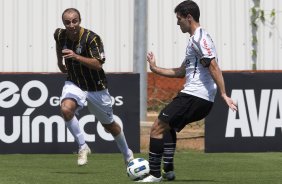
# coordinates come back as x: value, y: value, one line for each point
x: 130, y: 164
x: 141, y: 168
x: 140, y: 159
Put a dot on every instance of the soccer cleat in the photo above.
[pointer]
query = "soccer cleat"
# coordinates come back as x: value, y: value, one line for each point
x: 151, y: 178
x: 129, y: 158
x: 82, y: 156
x: 170, y: 175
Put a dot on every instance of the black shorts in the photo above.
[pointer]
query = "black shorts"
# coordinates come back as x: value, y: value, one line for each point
x: 185, y: 109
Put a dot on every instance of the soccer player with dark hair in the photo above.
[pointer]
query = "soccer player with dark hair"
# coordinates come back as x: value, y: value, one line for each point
x: 194, y: 101
x: 83, y: 52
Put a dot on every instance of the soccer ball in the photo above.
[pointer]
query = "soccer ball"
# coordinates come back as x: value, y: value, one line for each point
x: 137, y: 169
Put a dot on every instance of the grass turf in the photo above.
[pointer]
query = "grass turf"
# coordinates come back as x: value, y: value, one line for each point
x: 190, y: 167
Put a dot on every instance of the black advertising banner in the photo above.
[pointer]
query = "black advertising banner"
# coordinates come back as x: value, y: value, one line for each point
x: 30, y: 120
x: 257, y: 125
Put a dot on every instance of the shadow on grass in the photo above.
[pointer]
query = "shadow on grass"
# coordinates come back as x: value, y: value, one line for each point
x: 194, y: 181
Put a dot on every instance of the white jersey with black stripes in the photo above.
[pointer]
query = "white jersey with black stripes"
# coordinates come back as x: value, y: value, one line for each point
x: 199, y: 81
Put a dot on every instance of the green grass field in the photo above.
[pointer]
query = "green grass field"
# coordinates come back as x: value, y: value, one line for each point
x: 191, y: 167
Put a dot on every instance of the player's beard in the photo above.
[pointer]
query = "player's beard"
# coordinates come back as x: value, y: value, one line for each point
x: 73, y: 34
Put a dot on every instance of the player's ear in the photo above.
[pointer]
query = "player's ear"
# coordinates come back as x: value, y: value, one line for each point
x: 189, y: 17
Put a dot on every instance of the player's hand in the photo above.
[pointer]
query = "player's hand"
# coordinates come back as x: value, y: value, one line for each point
x: 232, y: 105
x: 151, y: 60
x: 67, y: 54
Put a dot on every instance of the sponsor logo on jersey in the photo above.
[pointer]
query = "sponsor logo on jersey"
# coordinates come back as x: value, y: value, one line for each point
x: 207, y: 47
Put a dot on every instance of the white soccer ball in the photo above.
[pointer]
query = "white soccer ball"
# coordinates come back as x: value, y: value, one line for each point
x: 138, y: 168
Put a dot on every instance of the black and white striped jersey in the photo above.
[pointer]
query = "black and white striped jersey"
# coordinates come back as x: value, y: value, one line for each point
x: 89, y: 45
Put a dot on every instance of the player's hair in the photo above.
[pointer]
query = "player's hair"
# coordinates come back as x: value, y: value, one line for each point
x: 71, y: 10
x: 188, y: 7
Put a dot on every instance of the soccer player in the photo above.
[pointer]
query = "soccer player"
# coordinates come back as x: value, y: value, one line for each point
x: 195, y: 101
x: 84, y: 57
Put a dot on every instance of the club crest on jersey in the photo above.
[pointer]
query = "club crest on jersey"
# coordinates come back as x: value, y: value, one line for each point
x: 78, y: 49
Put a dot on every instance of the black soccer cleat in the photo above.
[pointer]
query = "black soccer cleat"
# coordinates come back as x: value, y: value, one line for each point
x: 170, y: 175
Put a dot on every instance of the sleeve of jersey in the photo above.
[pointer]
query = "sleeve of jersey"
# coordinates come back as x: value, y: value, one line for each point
x: 56, y: 34
x: 208, y: 51
x: 96, y: 48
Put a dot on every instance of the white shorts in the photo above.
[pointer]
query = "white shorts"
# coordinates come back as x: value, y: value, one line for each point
x: 99, y: 102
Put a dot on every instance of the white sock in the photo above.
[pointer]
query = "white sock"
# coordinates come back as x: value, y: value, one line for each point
x: 73, y: 127
x: 122, y: 144
x: 81, y: 147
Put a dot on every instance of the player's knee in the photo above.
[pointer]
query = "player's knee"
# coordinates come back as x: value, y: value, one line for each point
x: 155, y: 132
x: 108, y: 128
x: 112, y: 128
x: 67, y: 113
x: 158, y: 129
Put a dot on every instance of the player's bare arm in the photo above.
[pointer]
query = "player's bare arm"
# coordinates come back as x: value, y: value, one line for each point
x: 218, y: 78
x: 60, y: 63
x: 91, y: 63
x: 171, y: 72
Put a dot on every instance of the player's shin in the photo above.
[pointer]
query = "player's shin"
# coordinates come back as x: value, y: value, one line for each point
x: 123, y: 147
x: 155, y: 156
x: 169, y: 150
x: 74, y: 128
